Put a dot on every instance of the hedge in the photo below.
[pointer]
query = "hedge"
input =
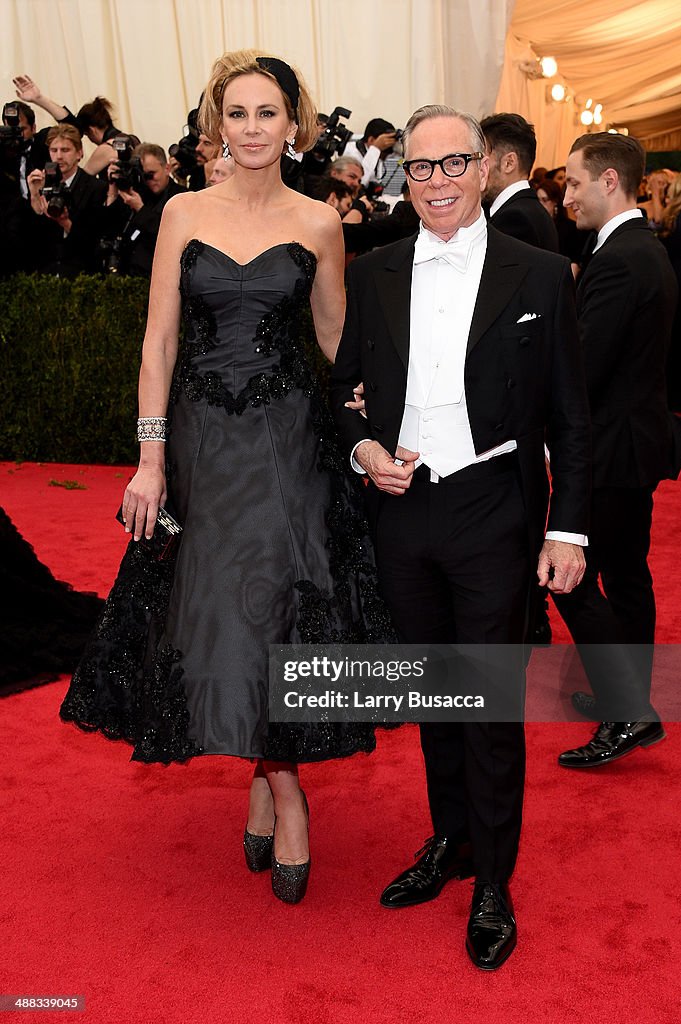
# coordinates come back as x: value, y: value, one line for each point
x: 69, y: 360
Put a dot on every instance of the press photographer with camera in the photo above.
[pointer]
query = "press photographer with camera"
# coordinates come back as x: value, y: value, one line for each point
x: 93, y: 120
x: 348, y: 169
x: 375, y: 145
x: 24, y: 147
x: 139, y: 187
x: 331, y: 141
x: 67, y: 207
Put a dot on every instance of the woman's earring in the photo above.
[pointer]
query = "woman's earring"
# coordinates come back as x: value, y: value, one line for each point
x: 290, y: 150
x: 225, y: 150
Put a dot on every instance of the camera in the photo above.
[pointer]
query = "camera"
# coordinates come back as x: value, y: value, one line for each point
x: 11, y: 134
x: 335, y: 136
x: 129, y: 174
x: 113, y: 252
x: 184, y: 151
x: 373, y: 192
x: 54, y: 190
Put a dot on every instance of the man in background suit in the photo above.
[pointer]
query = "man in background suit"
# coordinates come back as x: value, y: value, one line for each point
x: 512, y: 148
x: 466, y: 341
x: 514, y: 208
x: 625, y: 305
x: 64, y: 242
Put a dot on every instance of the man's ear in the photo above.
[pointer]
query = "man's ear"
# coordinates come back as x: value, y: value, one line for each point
x: 509, y: 162
x: 610, y: 179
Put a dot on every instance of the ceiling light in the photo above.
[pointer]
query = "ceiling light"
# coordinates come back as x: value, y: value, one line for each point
x: 549, y: 66
x: 558, y: 92
x: 586, y: 117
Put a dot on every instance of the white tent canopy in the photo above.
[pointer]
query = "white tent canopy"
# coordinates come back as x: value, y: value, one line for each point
x: 152, y: 58
x: 625, y: 56
x: 377, y: 57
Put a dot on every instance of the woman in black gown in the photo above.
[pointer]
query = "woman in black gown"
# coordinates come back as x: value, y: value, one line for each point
x: 273, y: 548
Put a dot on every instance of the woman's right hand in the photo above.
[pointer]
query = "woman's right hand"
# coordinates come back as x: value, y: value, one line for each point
x: 26, y: 89
x: 141, y: 500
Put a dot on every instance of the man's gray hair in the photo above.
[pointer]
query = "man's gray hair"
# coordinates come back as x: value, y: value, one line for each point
x: 343, y: 162
x: 433, y: 110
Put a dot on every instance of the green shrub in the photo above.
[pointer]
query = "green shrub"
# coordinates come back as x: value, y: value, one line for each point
x: 69, y: 361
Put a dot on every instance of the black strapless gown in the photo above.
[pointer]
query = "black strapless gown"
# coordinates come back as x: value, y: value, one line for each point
x: 274, y: 547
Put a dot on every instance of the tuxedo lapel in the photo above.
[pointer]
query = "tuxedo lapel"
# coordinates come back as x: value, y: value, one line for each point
x: 502, y: 275
x: 393, y: 284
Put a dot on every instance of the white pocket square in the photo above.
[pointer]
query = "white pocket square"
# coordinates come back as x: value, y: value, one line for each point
x: 528, y: 316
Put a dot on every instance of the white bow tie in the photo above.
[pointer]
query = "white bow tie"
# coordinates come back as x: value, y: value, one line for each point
x: 458, y: 256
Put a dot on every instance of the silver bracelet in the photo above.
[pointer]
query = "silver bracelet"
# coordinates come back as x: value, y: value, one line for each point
x: 151, y: 428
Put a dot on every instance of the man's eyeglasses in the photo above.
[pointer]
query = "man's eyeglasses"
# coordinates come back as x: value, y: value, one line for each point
x: 453, y: 166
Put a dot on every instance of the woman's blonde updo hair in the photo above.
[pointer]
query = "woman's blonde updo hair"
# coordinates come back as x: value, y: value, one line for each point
x: 243, y: 62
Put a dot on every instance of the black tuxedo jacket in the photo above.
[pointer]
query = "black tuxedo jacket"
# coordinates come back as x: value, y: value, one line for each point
x: 523, y: 380
x: 77, y: 253
x: 625, y: 302
x: 523, y: 216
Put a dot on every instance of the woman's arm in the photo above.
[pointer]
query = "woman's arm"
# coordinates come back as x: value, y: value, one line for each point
x: 328, y: 293
x: 147, y: 489
x: 103, y: 155
x: 29, y: 92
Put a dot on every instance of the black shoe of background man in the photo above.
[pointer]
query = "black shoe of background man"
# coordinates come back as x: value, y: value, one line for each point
x: 492, y: 933
x: 586, y: 704
x: 613, y: 740
x: 439, y: 860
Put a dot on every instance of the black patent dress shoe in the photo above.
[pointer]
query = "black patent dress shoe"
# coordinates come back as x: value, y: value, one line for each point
x: 439, y: 860
x: 492, y: 933
x: 611, y: 741
x: 585, y: 704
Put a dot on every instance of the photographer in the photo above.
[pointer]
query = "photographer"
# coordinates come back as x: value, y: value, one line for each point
x: 375, y: 145
x: 348, y: 169
x: 335, y: 193
x: 204, y: 151
x: 32, y: 152
x: 94, y: 120
x: 67, y: 209
x: 139, y: 187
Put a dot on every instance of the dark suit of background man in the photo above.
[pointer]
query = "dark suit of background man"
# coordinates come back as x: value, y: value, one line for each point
x: 512, y: 203
x: 466, y: 341
x: 511, y: 146
x: 625, y: 302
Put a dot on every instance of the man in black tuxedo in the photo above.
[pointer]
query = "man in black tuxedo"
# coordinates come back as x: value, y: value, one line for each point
x: 625, y: 302
x: 514, y: 208
x: 466, y: 341
x: 64, y: 241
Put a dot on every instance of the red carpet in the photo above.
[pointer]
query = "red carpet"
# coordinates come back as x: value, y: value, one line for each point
x: 125, y: 883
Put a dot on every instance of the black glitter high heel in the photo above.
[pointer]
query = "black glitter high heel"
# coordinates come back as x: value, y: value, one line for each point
x: 289, y: 881
x: 258, y: 851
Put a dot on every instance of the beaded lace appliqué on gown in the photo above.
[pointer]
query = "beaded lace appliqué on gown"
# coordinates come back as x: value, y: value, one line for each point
x: 130, y: 683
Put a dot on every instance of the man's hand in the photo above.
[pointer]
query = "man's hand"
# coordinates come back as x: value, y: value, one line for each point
x: 35, y: 181
x: 132, y: 199
x: 383, y: 142
x: 26, y: 89
x: 383, y: 469
x: 567, y: 562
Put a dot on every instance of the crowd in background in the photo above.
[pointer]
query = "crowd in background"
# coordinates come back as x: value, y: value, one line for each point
x: 63, y: 215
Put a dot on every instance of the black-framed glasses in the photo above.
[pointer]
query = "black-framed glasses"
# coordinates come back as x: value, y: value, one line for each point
x: 453, y: 166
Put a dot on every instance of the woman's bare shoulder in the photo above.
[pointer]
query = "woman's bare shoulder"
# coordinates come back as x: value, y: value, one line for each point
x: 320, y: 220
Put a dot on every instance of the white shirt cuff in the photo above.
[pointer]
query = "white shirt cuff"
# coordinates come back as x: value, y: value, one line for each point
x: 568, y: 538
x: 353, y: 461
